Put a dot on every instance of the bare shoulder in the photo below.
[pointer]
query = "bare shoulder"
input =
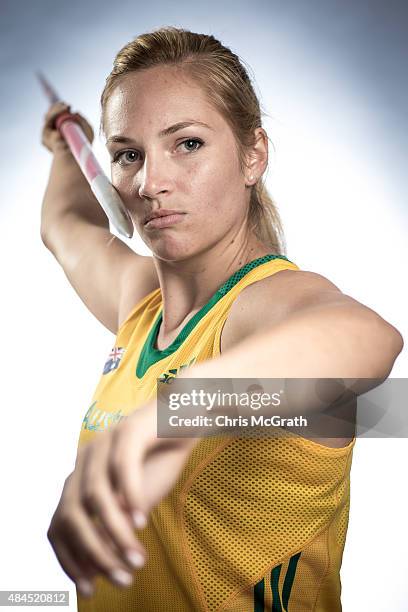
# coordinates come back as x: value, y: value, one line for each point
x: 270, y: 300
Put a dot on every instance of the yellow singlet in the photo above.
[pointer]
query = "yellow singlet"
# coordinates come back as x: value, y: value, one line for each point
x: 251, y: 524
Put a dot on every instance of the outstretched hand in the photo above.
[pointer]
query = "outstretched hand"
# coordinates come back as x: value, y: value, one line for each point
x: 118, y: 478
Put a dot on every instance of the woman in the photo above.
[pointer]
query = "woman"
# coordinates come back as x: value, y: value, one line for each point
x: 220, y: 523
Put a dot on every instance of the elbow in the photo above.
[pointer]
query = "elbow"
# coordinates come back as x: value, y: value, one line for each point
x: 389, y: 344
x: 397, y: 344
x: 44, y: 237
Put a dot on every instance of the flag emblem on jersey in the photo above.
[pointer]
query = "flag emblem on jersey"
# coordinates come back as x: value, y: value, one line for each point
x: 113, y: 360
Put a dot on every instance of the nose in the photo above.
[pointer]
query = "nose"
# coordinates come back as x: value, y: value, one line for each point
x: 153, y: 179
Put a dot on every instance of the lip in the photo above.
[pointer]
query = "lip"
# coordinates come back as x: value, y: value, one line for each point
x: 164, y: 220
x: 161, y: 212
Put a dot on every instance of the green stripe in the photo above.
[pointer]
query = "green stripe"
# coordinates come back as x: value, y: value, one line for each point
x: 259, y: 596
x: 276, y: 602
x: 289, y: 578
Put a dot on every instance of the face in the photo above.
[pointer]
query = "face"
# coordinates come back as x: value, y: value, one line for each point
x: 191, y: 169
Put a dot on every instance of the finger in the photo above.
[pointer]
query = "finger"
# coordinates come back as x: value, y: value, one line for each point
x: 76, y: 564
x: 53, y: 140
x: 74, y: 568
x: 50, y: 136
x: 72, y: 524
x: 100, y: 500
x: 57, y: 535
x: 86, y: 543
x: 103, y: 504
x: 54, y: 110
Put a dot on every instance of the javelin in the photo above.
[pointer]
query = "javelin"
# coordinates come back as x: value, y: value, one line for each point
x: 81, y: 149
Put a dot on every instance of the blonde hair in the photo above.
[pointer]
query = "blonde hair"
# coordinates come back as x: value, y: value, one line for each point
x: 224, y: 79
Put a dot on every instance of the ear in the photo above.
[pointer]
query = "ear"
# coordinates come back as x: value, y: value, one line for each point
x: 256, y: 158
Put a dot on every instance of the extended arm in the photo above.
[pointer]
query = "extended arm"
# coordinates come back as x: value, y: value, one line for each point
x: 340, y: 338
x: 335, y: 338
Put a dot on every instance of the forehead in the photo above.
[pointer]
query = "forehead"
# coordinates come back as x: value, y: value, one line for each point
x: 154, y: 98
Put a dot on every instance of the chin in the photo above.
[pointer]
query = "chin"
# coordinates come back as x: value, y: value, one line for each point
x: 173, y: 248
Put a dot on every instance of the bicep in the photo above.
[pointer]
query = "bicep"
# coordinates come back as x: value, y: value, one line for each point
x: 271, y: 300
x: 287, y: 293
x: 105, y: 273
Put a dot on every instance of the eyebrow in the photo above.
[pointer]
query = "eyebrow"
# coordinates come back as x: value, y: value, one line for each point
x: 166, y: 132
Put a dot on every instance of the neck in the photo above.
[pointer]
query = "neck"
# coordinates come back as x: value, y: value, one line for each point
x: 188, y: 285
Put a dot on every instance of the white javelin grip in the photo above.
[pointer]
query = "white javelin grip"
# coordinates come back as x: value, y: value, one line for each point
x: 112, y: 204
x: 102, y: 188
x: 81, y: 149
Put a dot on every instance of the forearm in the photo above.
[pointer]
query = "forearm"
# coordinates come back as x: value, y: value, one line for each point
x: 68, y: 192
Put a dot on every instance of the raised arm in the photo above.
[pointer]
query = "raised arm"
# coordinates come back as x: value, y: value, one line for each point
x: 108, y: 276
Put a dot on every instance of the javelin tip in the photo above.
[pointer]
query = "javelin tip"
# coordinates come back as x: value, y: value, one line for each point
x: 47, y: 88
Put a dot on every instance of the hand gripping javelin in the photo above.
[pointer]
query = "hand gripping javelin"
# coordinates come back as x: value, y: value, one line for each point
x: 81, y: 149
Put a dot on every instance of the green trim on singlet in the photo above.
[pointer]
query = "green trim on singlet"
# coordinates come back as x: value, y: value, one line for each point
x: 289, y: 578
x: 150, y: 355
x: 276, y: 601
x: 277, y: 604
x: 259, y: 596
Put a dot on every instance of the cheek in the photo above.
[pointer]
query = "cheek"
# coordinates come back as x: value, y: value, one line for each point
x: 214, y: 177
x: 122, y: 183
x: 216, y: 187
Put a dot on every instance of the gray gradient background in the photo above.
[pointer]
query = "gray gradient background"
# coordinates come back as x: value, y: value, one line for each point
x: 332, y: 76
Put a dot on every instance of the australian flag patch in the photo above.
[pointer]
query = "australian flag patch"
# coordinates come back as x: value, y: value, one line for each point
x: 114, y: 359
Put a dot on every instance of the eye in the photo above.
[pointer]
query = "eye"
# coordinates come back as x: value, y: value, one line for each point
x: 127, y: 157
x: 118, y: 158
x: 195, y: 141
